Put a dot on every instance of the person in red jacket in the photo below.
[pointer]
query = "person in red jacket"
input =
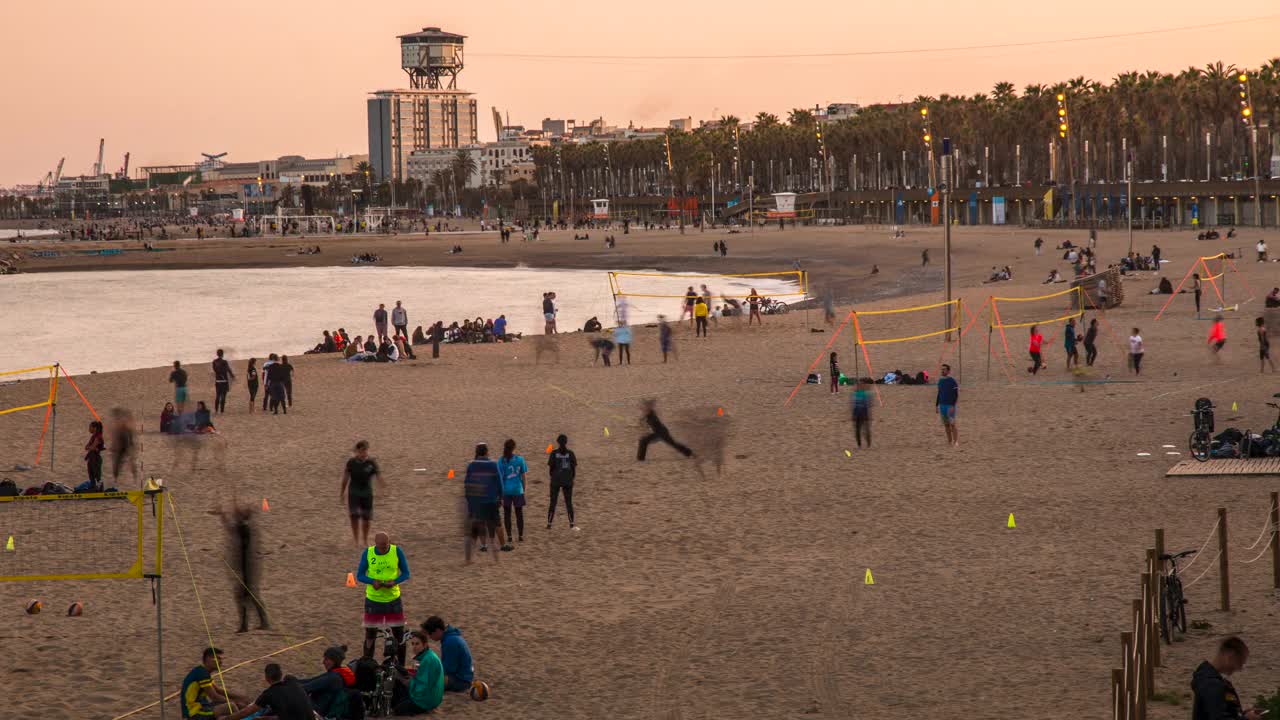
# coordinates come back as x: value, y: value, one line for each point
x: 1033, y: 348
x: 328, y: 690
x: 1217, y: 337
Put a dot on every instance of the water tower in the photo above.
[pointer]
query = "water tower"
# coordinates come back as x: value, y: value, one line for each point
x: 432, y: 58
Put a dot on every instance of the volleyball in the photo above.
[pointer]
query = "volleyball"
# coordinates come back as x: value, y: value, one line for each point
x: 34, y: 607
x: 75, y: 610
x: 479, y: 691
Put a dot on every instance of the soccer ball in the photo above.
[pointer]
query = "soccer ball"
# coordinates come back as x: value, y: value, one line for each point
x: 34, y: 607
x: 75, y: 610
x: 479, y: 691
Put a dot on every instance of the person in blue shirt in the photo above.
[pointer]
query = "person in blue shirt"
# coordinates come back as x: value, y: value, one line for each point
x: 500, y: 328
x: 1069, y: 339
x: 483, y: 488
x: 948, y: 396
x: 622, y: 336
x: 459, y: 669
x: 512, y: 468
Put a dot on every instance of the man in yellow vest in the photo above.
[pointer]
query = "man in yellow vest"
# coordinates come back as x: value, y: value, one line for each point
x: 382, y: 568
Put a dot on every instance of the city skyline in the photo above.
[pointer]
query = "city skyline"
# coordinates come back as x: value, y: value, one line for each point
x: 167, y: 82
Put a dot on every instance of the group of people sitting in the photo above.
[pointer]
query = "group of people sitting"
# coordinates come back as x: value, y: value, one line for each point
x: 174, y: 423
x: 1134, y: 262
x: 310, y: 251
x: 469, y: 331
x: 363, y: 258
x: 455, y: 250
x: 339, y: 691
x: 1213, y: 234
x: 1000, y: 275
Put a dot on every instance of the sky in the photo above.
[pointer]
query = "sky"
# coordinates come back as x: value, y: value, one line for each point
x: 256, y: 79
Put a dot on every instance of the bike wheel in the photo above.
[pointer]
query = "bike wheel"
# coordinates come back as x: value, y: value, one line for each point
x: 779, y: 308
x: 1166, y: 620
x: 1198, y: 447
x: 1179, y: 602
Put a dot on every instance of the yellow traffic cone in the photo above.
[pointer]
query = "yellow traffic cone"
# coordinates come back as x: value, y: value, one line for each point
x: 1234, y: 407
x: 1011, y: 523
x: 8, y: 546
x: 848, y: 454
x: 869, y: 580
x: 606, y: 432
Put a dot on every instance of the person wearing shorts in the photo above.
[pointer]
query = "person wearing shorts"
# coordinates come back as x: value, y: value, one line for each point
x: 1136, y: 350
x: 383, y: 568
x: 1033, y: 349
x: 512, y: 469
x: 1264, y: 346
x: 357, y: 490
x: 179, y: 379
x: 948, y: 397
x: 1217, y: 335
x: 549, y: 313
x: 483, y: 488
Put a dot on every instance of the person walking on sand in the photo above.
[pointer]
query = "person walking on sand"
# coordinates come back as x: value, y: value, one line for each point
x: 690, y: 297
x: 238, y: 521
x: 1090, y: 343
x: 380, y: 321
x: 124, y: 445
x: 563, y: 467
x: 1033, y: 348
x: 665, y: 341
x: 1217, y: 337
x: 657, y: 431
x: 400, y: 319
x: 700, y: 313
x: 1039, y: 243
x: 251, y: 377
x: 1069, y: 339
x: 1264, y: 346
x: 222, y: 377
x: 948, y: 397
x: 1197, y: 288
x: 512, y: 469
x: 286, y: 379
x: 272, y: 359
x: 179, y: 379
x: 356, y: 491
x: 93, y: 459
x: 1136, y: 351
x: 861, y: 413
x: 549, y: 313
x: 835, y: 375
x: 483, y: 487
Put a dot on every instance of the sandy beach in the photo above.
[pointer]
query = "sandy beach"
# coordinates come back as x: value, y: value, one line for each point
x: 724, y: 595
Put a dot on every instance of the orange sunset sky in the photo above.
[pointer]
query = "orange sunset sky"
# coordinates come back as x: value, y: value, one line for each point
x: 167, y: 80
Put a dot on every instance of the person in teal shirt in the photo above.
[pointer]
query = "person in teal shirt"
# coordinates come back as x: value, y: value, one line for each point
x: 512, y: 468
x: 426, y: 686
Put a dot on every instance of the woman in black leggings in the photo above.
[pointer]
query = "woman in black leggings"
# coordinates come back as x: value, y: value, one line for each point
x: 252, y: 374
x: 1090, y: 342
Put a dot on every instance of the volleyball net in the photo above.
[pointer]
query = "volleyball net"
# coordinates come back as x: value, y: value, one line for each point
x: 893, y: 326
x: 1214, y: 270
x: 789, y: 285
x: 1031, y: 312
x: 82, y: 536
x: 35, y: 390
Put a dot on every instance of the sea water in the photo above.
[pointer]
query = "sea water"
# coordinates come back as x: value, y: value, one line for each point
x: 123, y: 319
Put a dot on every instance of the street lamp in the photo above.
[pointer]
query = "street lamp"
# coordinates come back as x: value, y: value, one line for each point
x: 1246, y: 117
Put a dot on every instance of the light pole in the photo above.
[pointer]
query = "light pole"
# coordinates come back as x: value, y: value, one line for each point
x: 1246, y: 116
x: 946, y: 231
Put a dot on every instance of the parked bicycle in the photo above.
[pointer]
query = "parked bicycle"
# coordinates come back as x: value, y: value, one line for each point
x: 1201, y: 442
x: 769, y: 306
x: 1173, y: 611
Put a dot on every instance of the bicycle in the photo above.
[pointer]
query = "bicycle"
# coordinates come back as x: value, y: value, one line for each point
x: 1173, y: 613
x: 378, y: 701
x: 772, y: 307
x: 1201, y: 441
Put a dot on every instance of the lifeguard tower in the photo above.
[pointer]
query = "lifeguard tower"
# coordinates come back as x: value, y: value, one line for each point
x: 600, y: 209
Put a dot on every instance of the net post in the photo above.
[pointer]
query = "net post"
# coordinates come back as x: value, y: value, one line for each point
x: 959, y: 341
x: 53, y: 428
x: 990, y: 330
x: 1275, y: 543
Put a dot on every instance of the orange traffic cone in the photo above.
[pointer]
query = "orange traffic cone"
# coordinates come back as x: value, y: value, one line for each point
x: 720, y: 411
x: 450, y: 473
x: 351, y: 579
x: 550, y: 447
x: 265, y: 506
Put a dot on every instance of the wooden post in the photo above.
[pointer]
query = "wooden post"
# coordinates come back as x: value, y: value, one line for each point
x: 1160, y: 551
x: 1117, y: 694
x: 1130, y: 677
x: 1275, y: 535
x: 1224, y: 578
x: 1148, y: 637
x: 1153, y: 606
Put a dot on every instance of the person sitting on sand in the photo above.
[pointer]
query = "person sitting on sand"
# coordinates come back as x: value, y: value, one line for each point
x: 370, y: 345
x: 593, y: 325
x: 1273, y: 298
x: 419, y: 338
x: 1054, y: 277
x: 328, y: 691
x: 455, y: 656
x: 354, y: 347
x: 168, y: 416
x: 875, y: 269
x: 500, y: 329
x: 200, y: 696
x: 339, y: 342
x: 203, y: 421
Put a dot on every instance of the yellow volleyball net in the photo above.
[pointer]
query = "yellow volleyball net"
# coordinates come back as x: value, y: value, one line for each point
x: 1008, y: 313
x: 788, y: 285
x: 36, y: 390
x: 939, y: 322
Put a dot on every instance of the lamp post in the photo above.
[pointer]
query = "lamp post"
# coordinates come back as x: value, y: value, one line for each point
x: 1246, y: 117
x: 946, y: 231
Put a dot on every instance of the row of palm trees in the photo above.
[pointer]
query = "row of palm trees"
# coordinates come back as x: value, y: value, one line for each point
x: 1180, y: 126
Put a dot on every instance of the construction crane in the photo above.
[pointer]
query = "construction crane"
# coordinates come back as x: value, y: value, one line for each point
x: 57, y: 174
x: 45, y: 184
x: 97, y: 168
x: 124, y: 171
x: 497, y: 123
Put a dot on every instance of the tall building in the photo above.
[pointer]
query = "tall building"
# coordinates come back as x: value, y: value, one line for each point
x: 431, y: 114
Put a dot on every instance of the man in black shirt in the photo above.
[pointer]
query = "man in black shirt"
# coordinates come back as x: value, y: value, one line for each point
x: 283, y: 699
x: 179, y: 379
x: 1215, y: 697
x: 277, y: 377
x: 357, y: 490
x: 222, y: 377
x: 658, y: 431
x: 238, y: 521
x: 563, y: 465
